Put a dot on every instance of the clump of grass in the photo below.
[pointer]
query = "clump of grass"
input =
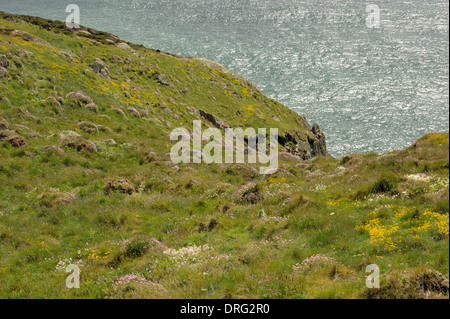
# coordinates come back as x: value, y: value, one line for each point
x: 383, y: 185
x: 137, y: 247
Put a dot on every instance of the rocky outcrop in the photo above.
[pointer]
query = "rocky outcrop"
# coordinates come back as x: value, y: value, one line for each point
x: 100, y: 68
x: 69, y: 55
x: 262, y: 215
x: 214, y: 120
x: 110, y: 142
x: 161, y: 79
x: 314, y: 144
x: 29, y: 37
x: 124, y: 46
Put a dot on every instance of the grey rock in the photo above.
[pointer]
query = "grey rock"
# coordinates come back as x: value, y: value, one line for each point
x: 100, y: 68
x: 340, y: 170
x: 69, y: 55
x: 262, y: 215
x: 214, y: 120
x: 124, y: 46
x: 161, y: 79
x: 110, y: 142
x: 30, y: 38
x: 314, y: 144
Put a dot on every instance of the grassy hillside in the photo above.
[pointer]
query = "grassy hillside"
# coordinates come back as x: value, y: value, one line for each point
x: 86, y: 179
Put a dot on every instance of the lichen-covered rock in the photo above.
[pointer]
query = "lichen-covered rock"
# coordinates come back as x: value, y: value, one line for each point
x: 69, y: 55
x: 100, y: 68
x: 30, y: 38
x: 110, y: 142
x: 84, y: 33
x: 160, y: 78
x: 124, y: 46
x: 262, y: 215
x: 340, y: 170
x: 220, y: 124
x: 306, y: 148
x: 119, y: 185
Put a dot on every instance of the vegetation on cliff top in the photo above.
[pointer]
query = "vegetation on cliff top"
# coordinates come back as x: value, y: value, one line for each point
x: 86, y: 179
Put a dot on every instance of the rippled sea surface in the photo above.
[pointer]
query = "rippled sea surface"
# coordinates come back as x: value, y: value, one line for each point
x: 370, y: 89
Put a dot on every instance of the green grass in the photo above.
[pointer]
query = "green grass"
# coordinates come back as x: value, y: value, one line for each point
x: 54, y: 209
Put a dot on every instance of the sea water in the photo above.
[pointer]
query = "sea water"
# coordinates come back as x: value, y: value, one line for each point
x: 370, y: 87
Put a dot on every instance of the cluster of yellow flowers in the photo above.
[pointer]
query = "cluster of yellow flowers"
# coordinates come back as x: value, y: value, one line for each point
x: 93, y: 256
x: 439, y: 138
x: 381, y: 236
x: 436, y: 220
x: 246, y: 92
x: 31, y: 45
x: 275, y: 180
x: 343, y: 202
x: 387, y: 234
